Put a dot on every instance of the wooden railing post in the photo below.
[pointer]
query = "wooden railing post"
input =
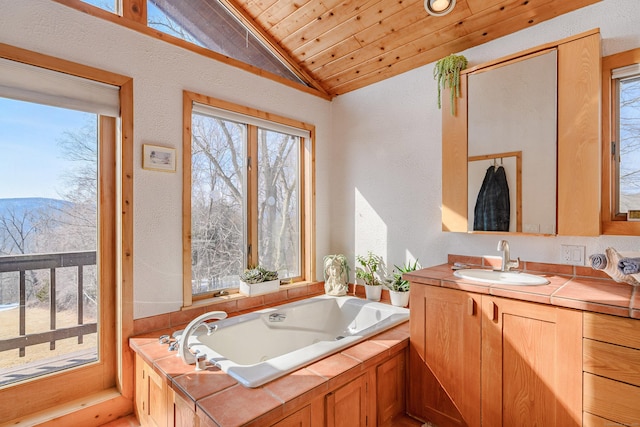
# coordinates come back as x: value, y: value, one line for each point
x: 80, y: 301
x: 52, y: 305
x: 23, y: 308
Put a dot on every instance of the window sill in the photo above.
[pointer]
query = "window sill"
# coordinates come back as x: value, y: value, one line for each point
x: 286, y: 292
x: 621, y: 228
x: 94, y: 410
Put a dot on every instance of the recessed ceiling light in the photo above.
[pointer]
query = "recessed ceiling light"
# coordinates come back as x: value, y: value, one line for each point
x: 439, y: 7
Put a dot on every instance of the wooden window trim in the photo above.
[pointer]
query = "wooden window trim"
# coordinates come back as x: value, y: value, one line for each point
x: 99, y: 392
x: 307, y: 189
x: 611, y: 222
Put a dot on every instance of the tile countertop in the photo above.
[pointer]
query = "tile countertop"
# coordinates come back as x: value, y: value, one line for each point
x: 217, y: 396
x: 570, y: 286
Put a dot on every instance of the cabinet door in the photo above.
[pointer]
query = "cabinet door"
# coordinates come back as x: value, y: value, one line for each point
x: 531, y: 364
x: 152, y: 395
x: 347, y: 406
x: 445, y: 356
x: 184, y: 414
x: 579, y: 150
x: 300, y: 418
x: 390, y: 389
x: 142, y: 390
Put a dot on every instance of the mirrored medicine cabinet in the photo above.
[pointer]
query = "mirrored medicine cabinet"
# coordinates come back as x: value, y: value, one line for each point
x: 535, y: 115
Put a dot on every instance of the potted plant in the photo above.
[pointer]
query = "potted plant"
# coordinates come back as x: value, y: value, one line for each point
x: 367, y: 271
x: 398, y: 287
x: 258, y: 280
x: 447, y: 73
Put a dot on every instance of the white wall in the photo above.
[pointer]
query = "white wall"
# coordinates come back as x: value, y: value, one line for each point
x: 386, y: 158
x: 161, y: 72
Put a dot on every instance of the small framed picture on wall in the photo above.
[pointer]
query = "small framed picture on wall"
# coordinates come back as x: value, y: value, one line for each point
x: 158, y: 158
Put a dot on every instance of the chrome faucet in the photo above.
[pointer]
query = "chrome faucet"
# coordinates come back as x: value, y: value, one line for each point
x: 507, y: 262
x: 183, y: 340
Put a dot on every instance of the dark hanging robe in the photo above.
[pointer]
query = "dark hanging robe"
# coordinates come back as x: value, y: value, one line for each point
x: 493, y: 209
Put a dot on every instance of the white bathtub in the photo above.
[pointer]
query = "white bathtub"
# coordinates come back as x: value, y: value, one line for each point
x: 258, y: 347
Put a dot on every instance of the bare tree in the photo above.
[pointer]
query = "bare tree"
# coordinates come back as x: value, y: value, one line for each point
x: 218, y: 201
x: 32, y: 226
x: 629, y: 144
x: 18, y: 228
x: 277, y: 207
x: 77, y: 218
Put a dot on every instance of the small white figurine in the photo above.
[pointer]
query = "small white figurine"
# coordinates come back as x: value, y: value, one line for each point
x: 336, y: 275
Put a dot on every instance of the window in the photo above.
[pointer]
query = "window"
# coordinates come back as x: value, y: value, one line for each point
x: 247, y: 198
x: 60, y: 133
x: 215, y: 25
x: 47, y: 213
x: 627, y: 143
x: 108, y: 5
x: 158, y: 19
x: 621, y: 142
x: 210, y: 24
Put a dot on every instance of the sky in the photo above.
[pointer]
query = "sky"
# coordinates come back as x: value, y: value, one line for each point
x: 30, y: 163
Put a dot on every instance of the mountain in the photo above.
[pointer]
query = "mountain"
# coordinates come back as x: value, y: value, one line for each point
x: 18, y: 206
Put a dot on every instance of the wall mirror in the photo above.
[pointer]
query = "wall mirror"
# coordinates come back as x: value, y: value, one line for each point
x: 512, y: 134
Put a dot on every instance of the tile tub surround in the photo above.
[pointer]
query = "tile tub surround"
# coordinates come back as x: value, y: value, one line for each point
x: 578, y: 287
x: 211, y: 391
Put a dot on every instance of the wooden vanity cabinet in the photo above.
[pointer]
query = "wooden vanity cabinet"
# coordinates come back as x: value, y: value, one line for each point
x: 482, y: 360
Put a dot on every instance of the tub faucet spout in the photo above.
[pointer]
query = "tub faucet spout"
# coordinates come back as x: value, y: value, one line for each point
x: 183, y: 341
x: 507, y: 262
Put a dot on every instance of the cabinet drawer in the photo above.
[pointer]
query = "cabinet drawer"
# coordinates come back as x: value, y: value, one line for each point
x: 611, y: 361
x: 612, y: 329
x: 611, y: 399
x: 590, y: 420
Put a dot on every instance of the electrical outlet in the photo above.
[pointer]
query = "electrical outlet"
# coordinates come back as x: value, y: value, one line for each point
x: 573, y: 254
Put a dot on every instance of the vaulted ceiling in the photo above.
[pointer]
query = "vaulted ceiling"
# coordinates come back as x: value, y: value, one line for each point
x: 343, y: 45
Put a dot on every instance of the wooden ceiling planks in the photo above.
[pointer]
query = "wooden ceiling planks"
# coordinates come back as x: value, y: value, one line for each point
x: 325, y: 23
x: 310, y: 15
x: 345, y: 45
x: 404, y: 38
x: 477, y: 6
x: 284, y: 11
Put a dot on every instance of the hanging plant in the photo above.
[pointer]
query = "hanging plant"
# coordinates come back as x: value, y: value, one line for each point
x: 447, y: 73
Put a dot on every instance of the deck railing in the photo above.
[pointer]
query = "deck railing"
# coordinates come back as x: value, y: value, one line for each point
x: 52, y: 262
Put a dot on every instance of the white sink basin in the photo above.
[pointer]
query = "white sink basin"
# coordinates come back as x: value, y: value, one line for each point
x: 501, y: 277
